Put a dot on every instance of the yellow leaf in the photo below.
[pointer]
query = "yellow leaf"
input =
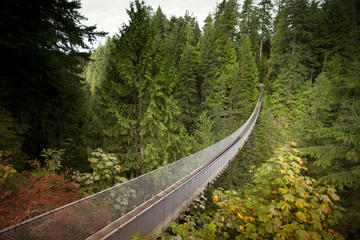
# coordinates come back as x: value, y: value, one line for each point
x: 299, y: 160
x: 301, y: 203
x: 283, y: 190
x: 301, y: 216
x: 285, y: 205
x: 289, y: 197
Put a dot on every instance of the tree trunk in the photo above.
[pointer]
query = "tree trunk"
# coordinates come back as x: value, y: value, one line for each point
x: 141, y: 141
x: 261, y: 47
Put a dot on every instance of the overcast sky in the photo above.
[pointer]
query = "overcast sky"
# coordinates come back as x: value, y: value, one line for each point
x: 109, y: 15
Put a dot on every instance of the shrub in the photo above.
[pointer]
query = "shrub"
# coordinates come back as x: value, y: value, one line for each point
x: 53, y: 158
x: 11, y: 140
x: 280, y: 203
x: 36, y: 194
x: 106, y: 172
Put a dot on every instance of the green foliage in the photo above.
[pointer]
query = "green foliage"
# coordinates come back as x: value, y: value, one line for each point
x: 258, y: 148
x: 106, y: 172
x: 187, y: 85
x: 244, y: 93
x: 6, y: 171
x: 280, y: 203
x: 331, y: 123
x: 138, y: 117
x: 11, y: 140
x: 226, y: 19
x: 53, y: 158
x: 39, y: 84
x: 208, y: 58
x: 203, y: 132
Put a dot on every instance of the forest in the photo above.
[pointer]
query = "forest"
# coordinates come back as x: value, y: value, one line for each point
x: 75, y: 121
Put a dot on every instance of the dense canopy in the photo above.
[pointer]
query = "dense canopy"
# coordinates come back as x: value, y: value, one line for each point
x: 163, y: 88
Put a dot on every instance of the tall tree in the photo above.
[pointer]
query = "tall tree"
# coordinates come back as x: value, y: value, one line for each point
x: 187, y: 87
x: 208, y: 58
x: 249, y: 23
x: 39, y: 81
x: 265, y: 22
x: 138, y: 98
x: 244, y: 86
x: 226, y: 19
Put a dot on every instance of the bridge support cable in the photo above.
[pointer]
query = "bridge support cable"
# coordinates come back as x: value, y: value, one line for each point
x: 145, y: 204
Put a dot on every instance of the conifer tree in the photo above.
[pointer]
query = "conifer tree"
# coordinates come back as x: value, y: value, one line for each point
x: 226, y: 20
x: 244, y: 86
x: 39, y: 81
x: 188, y: 80
x: 139, y: 113
x: 249, y: 24
x: 265, y: 24
x: 208, y: 58
x: 265, y: 31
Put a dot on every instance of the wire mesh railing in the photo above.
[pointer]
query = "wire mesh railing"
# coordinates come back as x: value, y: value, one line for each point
x: 85, y: 217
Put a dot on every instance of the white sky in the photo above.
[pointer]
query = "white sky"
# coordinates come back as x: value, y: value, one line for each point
x: 109, y: 15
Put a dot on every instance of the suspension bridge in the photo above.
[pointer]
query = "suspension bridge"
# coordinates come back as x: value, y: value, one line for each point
x: 146, y: 204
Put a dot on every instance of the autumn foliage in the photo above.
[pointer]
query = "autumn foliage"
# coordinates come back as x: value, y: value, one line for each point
x: 280, y: 203
x: 38, y: 193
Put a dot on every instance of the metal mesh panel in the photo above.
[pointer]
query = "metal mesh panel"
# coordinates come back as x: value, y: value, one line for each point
x: 80, y: 219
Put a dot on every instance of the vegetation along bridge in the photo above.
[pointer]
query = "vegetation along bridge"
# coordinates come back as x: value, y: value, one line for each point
x: 144, y: 204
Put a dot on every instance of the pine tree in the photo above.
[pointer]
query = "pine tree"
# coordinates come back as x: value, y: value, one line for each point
x: 102, y: 130
x: 324, y: 116
x: 226, y: 20
x: 265, y: 32
x: 187, y: 90
x: 208, y: 58
x: 134, y: 94
x: 280, y: 50
x: 265, y: 22
x: 244, y: 87
x: 249, y: 24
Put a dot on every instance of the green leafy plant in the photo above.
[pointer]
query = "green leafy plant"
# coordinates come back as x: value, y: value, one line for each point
x: 106, y: 172
x: 53, y: 158
x: 5, y: 172
x: 11, y: 140
x: 280, y: 203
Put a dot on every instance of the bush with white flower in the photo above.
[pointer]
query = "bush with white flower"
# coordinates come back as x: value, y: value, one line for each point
x: 106, y: 172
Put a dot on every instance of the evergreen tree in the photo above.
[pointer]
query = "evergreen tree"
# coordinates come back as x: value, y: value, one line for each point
x: 102, y: 130
x: 139, y: 110
x: 249, y: 24
x: 280, y: 50
x: 40, y: 82
x: 265, y: 31
x: 186, y: 89
x: 265, y: 22
x: 208, y: 58
x: 226, y: 20
x: 244, y: 86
